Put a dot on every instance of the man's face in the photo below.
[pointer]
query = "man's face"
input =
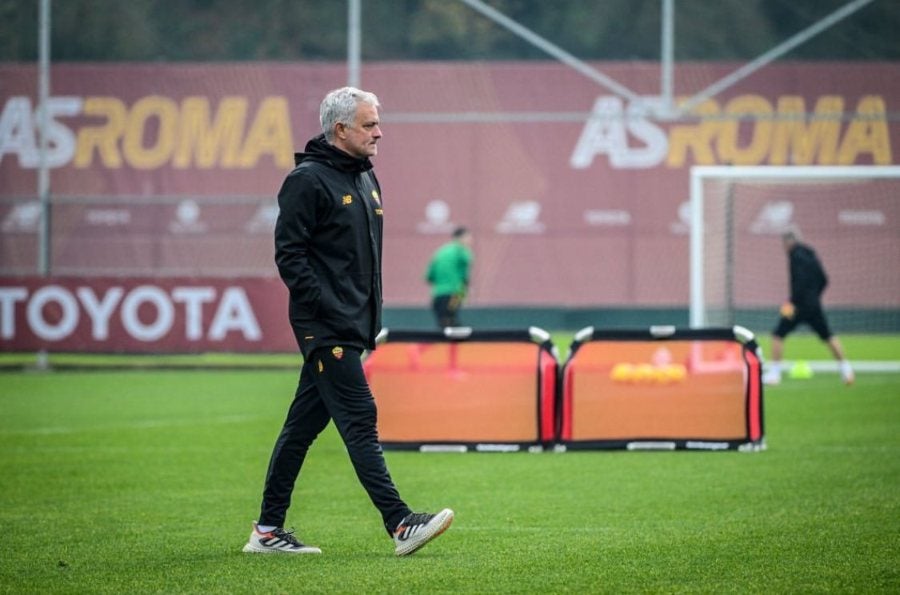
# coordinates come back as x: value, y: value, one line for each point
x: 360, y: 139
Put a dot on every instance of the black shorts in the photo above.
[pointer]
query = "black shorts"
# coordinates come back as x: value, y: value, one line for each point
x: 815, y: 318
x: 446, y: 310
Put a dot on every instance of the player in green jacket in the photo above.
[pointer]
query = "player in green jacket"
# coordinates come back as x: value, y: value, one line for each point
x: 448, y: 275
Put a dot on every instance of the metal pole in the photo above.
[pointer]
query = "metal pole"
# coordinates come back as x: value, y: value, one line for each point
x: 667, y: 42
x: 353, y: 42
x: 43, y: 126
x: 44, y: 242
x: 698, y: 299
x: 729, y: 318
x: 552, y: 49
x: 776, y: 52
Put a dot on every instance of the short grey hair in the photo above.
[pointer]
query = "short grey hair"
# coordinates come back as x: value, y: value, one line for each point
x: 339, y: 106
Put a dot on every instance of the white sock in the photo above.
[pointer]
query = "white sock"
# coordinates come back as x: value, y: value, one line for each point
x: 845, y: 367
x: 775, y: 368
x: 265, y: 528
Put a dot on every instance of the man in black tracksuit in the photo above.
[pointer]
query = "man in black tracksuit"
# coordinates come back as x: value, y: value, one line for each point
x: 328, y: 246
x: 808, y: 281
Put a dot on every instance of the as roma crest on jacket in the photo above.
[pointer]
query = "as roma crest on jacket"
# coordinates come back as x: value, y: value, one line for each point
x: 338, y: 352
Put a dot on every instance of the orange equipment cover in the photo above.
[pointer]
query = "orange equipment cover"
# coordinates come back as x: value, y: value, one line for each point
x: 656, y: 390
x: 457, y: 392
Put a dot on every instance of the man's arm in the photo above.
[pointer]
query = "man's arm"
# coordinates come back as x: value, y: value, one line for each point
x: 466, y: 266
x: 822, y: 278
x: 430, y: 276
x: 296, y: 219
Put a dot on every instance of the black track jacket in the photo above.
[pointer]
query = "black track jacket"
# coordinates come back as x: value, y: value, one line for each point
x: 328, y: 248
x: 808, y: 278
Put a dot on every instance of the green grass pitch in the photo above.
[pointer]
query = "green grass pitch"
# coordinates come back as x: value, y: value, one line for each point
x: 147, y: 481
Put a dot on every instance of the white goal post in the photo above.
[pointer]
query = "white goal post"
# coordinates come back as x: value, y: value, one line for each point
x: 701, y: 176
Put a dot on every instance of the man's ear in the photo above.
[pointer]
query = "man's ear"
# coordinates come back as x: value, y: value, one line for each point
x: 339, y: 131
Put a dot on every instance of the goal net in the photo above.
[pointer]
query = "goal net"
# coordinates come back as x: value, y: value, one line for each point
x: 850, y: 215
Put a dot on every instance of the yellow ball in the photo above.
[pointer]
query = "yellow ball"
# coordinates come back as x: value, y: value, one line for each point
x: 661, y: 375
x: 622, y: 373
x: 801, y: 370
x: 676, y: 372
x: 644, y: 373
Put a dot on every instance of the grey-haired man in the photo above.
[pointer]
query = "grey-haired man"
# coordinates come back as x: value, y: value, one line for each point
x: 328, y: 246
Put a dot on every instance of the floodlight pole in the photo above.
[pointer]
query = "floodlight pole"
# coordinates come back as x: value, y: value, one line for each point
x: 354, y: 10
x: 667, y: 41
x: 44, y: 125
x: 43, y: 181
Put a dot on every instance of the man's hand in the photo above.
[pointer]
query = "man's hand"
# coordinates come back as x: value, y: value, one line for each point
x: 788, y: 310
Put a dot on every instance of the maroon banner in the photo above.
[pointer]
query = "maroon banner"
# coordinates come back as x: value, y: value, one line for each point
x: 576, y: 196
x: 137, y: 315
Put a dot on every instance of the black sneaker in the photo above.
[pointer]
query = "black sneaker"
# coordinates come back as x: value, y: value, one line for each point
x: 418, y: 528
x: 277, y: 541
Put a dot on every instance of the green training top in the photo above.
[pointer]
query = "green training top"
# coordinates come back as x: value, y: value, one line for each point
x: 448, y: 271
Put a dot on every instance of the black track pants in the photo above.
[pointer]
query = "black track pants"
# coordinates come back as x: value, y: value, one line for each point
x: 332, y: 386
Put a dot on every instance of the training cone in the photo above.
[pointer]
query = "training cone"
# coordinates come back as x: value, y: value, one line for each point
x: 801, y: 371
